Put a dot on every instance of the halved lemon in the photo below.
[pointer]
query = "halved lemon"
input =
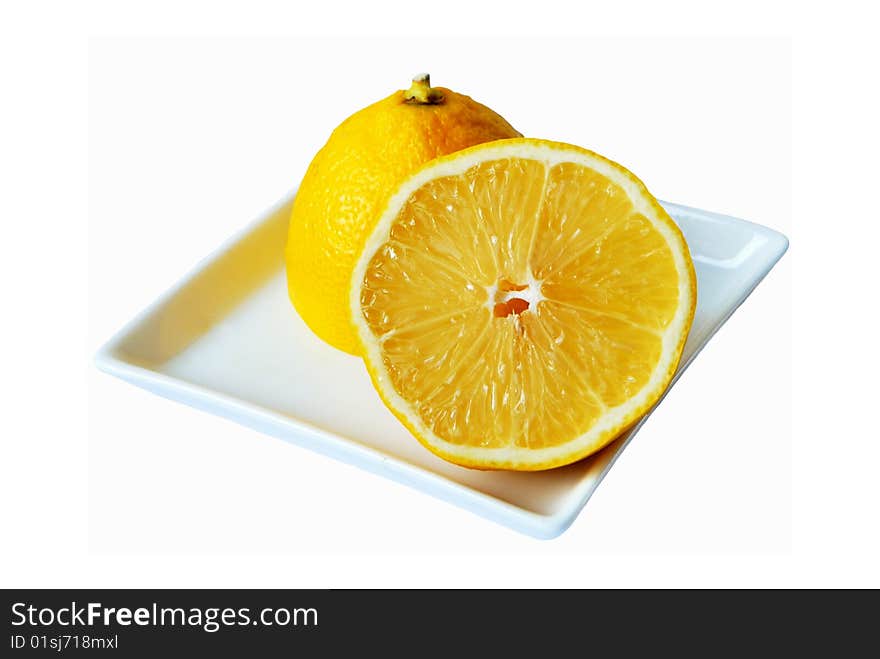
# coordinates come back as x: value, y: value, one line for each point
x: 521, y: 303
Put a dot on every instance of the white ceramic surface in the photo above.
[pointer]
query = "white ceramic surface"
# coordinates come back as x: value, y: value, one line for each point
x: 226, y: 340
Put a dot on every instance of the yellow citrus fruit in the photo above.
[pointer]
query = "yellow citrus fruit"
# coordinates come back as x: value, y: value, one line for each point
x: 521, y: 303
x: 349, y: 181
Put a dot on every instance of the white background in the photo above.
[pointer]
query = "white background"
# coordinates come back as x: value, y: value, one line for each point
x: 106, y: 485
x: 190, y: 138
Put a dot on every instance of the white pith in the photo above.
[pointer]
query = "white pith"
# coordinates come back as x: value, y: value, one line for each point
x: 613, y: 418
x: 531, y: 293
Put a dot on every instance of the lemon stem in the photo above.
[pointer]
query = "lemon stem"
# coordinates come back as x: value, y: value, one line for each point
x: 421, y: 92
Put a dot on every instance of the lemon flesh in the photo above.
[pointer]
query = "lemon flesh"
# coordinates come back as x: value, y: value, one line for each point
x: 521, y: 303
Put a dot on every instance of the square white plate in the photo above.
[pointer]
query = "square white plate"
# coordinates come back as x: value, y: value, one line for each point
x: 226, y: 340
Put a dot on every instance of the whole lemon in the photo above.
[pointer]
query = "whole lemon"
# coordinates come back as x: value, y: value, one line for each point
x: 351, y: 179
